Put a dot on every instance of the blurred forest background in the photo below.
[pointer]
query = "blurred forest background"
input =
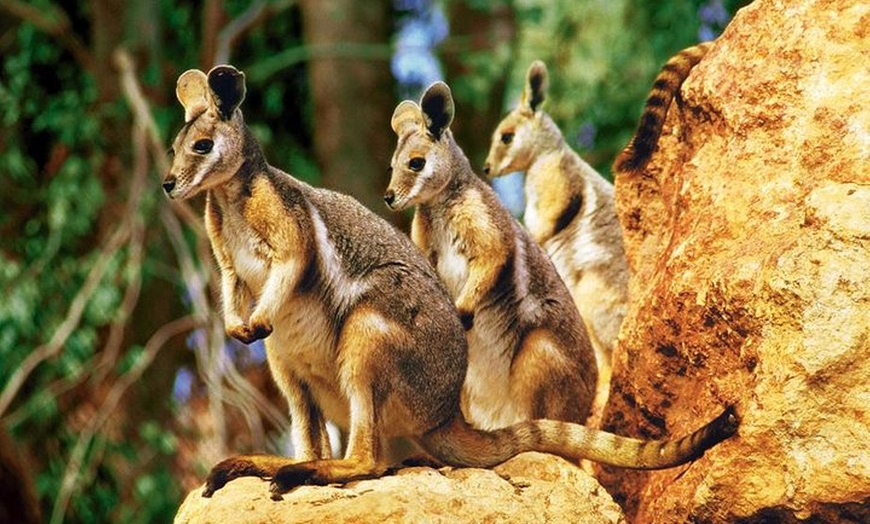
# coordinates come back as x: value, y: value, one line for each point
x: 117, y: 384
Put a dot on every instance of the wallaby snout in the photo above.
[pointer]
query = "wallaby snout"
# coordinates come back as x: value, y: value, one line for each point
x: 389, y: 198
x: 169, y: 185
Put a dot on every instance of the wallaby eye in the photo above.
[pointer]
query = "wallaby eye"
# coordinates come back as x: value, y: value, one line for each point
x: 203, y: 146
x: 417, y: 163
x: 507, y: 138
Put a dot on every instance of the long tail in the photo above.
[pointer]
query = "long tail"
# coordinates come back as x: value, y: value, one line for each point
x: 458, y: 444
x: 642, y: 145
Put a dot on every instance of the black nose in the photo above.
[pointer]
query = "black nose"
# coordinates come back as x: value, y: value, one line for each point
x: 486, y: 169
x: 169, y: 185
x: 390, y: 197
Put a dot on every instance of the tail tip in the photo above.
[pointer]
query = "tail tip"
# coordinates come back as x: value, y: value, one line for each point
x: 628, y: 164
x: 634, y: 157
x: 728, y: 422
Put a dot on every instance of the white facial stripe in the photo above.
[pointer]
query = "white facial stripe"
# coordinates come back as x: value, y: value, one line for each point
x: 420, y: 181
x: 212, y: 158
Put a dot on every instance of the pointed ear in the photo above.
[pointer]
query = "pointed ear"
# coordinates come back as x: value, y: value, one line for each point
x: 536, y: 86
x: 192, y: 91
x: 437, y: 107
x: 228, y: 89
x: 407, y: 114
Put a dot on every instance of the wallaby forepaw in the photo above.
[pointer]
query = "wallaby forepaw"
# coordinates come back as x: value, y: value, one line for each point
x: 249, y: 334
x: 260, y: 331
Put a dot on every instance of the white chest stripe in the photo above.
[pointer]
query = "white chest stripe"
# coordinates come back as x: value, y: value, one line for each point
x: 345, y: 289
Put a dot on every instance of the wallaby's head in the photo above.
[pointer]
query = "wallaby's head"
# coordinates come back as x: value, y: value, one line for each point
x: 421, y: 164
x: 208, y: 149
x: 517, y: 137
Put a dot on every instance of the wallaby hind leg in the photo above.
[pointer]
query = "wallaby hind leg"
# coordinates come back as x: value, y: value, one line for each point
x: 364, y: 342
x: 263, y: 466
x: 548, y: 383
x: 308, y: 426
x: 359, y: 462
x: 309, y: 436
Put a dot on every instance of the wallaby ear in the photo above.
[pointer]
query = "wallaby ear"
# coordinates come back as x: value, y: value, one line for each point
x: 192, y: 91
x: 536, y: 86
x: 227, y: 88
x: 437, y: 107
x: 407, y: 114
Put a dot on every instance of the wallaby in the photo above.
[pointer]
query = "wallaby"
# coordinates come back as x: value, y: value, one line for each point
x: 666, y: 86
x: 529, y: 355
x: 357, y: 326
x: 571, y: 212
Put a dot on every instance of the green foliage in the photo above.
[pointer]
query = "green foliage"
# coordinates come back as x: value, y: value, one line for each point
x: 52, y: 212
x: 602, y: 56
x: 49, y: 210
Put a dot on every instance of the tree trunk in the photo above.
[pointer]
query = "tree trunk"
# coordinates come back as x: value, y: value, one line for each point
x: 352, y: 95
x: 477, y: 32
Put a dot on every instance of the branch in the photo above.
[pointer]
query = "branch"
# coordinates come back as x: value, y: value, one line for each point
x: 353, y: 51
x: 135, y: 253
x: 70, y: 323
x: 157, y: 341
x: 256, y: 13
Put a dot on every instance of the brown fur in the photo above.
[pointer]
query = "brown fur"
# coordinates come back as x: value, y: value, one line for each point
x: 358, y: 329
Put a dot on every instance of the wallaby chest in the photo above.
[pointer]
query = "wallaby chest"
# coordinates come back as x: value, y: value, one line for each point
x: 250, y: 254
x: 447, y: 249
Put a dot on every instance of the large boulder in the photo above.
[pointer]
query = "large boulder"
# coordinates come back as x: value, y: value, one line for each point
x: 531, y: 488
x: 749, y: 238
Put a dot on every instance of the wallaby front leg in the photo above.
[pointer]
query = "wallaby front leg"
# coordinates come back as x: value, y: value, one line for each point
x: 281, y: 282
x: 236, y: 299
x: 486, y: 249
x: 482, y: 274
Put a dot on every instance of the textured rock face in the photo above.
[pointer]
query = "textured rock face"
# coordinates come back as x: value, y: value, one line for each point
x: 529, y: 488
x: 749, y: 238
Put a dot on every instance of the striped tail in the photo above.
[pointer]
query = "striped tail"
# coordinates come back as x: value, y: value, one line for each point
x: 668, y: 82
x: 458, y: 444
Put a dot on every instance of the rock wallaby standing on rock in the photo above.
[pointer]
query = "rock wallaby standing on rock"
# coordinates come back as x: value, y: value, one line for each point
x: 529, y: 355
x: 571, y: 212
x: 358, y: 329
